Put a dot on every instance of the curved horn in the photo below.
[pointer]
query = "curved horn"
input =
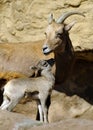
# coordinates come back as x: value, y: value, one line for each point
x: 66, y: 15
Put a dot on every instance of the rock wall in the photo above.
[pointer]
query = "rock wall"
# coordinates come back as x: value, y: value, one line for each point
x: 25, y: 20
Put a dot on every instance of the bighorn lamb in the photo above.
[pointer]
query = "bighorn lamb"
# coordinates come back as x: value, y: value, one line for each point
x: 39, y: 88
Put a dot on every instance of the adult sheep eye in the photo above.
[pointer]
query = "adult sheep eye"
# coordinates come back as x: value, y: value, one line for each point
x: 45, y: 34
x: 59, y: 35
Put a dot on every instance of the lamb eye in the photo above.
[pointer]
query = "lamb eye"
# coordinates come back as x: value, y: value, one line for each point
x: 45, y: 64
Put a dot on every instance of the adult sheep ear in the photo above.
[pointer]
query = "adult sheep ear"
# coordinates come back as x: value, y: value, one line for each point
x: 69, y: 26
x: 50, y: 20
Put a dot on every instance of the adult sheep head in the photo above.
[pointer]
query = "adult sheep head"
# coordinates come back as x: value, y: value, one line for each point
x: 56, y: 33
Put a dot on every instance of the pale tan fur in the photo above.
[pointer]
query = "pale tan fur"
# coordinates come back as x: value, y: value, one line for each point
x: 40, y: 88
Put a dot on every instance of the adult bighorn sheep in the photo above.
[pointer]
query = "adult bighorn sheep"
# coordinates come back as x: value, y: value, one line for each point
x: 58, y: 41
x: 38, y: 88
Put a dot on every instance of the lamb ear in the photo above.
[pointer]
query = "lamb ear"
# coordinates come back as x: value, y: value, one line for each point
x: 69, y: 26
x: 32, y: 67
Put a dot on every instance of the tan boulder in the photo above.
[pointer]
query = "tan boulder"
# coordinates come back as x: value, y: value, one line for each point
x: 67, y: 124
x: 23, y: 21
x: 12, y: 121
x: 66, y: 107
